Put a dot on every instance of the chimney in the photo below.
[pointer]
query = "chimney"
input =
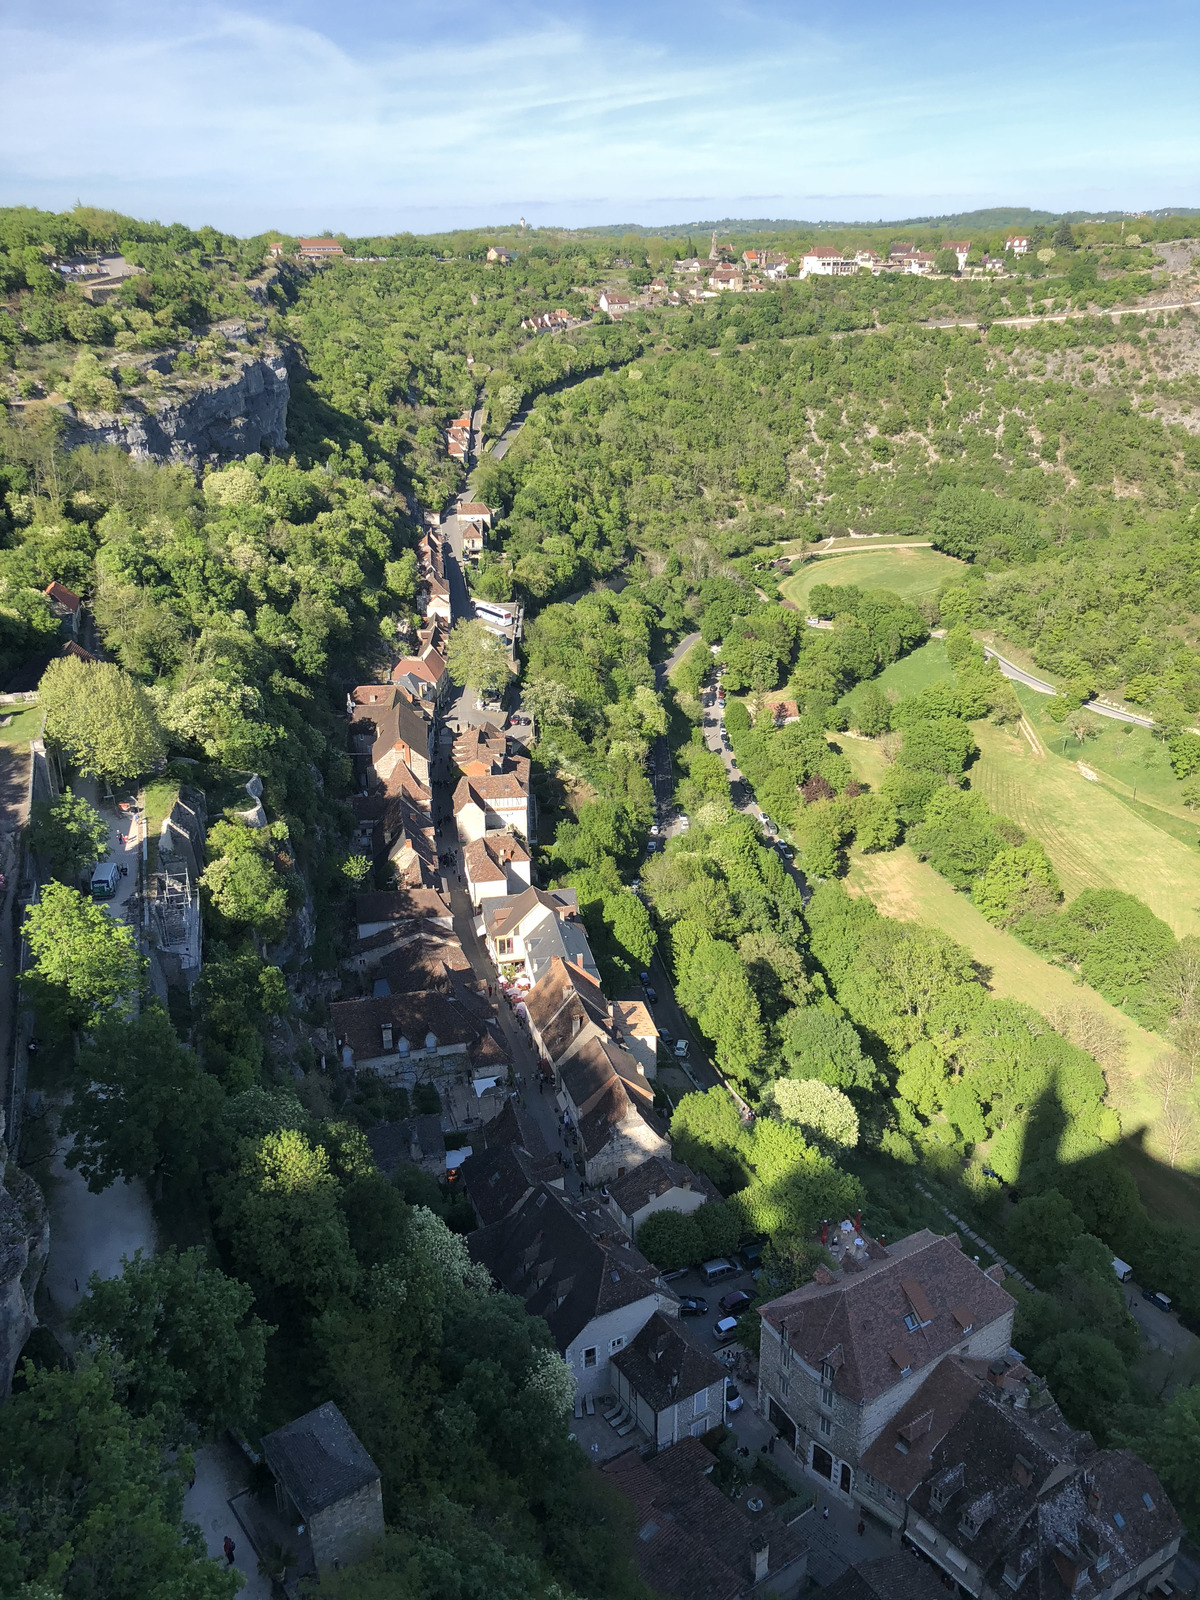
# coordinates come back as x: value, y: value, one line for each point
x: 760, y: 1562
x: 1093, y: 1489
x: 686, y: 1183
x: 387, y: 1035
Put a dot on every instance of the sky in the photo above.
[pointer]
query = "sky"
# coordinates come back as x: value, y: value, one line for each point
x: 373, y: 116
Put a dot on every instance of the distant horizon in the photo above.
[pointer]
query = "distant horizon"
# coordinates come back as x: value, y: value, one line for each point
x: 372, y: 118
x: 985, y: 219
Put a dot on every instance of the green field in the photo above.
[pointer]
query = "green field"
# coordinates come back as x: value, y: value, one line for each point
x: 903, y: 887
x: 26, y: 724
x: 911, y: 572
x: 1096, y: 837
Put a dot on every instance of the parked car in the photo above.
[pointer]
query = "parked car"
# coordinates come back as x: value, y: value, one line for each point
x: 735, y: 1302
x: 733, y: 1398
x: 725, y: 1330
x: 1157, y: 1298
x: 643, y: 977
x: 750, y: 1255
x: 681, y: 1049
x: 651, y: 846
x: 716, y: 1269
x: 651, y: 993
x: 692, y: 1306
x: 679, y: 1272
x: 654, y: 830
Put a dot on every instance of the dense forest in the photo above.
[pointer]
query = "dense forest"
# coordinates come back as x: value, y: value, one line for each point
x: 667, y: 459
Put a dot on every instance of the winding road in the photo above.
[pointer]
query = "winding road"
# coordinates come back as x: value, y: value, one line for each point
x: 1040, y: 686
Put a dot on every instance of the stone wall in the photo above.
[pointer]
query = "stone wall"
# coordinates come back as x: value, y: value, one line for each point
x: 215, y: 423
x: 24, y: 1245
x: 345, y: 1532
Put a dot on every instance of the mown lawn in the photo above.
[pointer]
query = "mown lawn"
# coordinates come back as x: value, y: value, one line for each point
x: 911, y: 572
x: 26, y: 724
x: 1095, y: 836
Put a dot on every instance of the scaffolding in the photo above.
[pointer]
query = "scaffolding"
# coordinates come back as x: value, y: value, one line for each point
x: 175, y: 914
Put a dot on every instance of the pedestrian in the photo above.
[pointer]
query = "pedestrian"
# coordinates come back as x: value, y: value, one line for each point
x: 771, y: 1446
x: 862, y: 1527
x: 229, y: 1548
x: 825, y: 1514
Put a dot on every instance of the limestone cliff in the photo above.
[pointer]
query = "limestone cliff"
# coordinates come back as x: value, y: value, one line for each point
x: 200, y: 423
x: 24, y: 1245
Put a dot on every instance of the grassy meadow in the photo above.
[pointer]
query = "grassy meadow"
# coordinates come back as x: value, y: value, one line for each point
x: 914, y: 572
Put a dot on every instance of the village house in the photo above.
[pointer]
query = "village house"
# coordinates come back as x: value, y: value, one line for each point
x: 478, y: 751
x: 612, y: 1106
x: 400, y: 911
x: 424, y: 678
x: 275, y: 248
x: 824, y: 261
x: 404, y: 1036
x: 493, y: 802
x: 694, y: 1542
x: 867, y: 258
x: 615, y: 305
x: 1018, y: 243
x: 564, y: 1009
x: 319, y: 249
x: 326, y: 1486
x: 513, y: 1161
x: 530, y: 929
x: 387, y: 729
x: 988, y: 1482
x: 633, y: 1028
x: 898, y: 1576
x: 659, y: 1184
x: 497, y: 252
x: 841, y: 1355
x: 568, y: 1265
x: 961, y: 248
x: 725, y: 276
x: 671, y: 1386
x: 66, y: 606
x: 413, y: 1141
x: 495, y: 866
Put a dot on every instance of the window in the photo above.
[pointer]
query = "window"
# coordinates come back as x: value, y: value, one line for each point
x: 589, y: 1357
x: 912, y: 1322
x: 785, y: 1383
x: 615, y: 1344
x: 504, y: 947
x: 826, y: 1426
x: 827, y: 1398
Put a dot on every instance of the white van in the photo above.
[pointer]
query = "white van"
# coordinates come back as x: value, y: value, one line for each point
x: 105, y: 879
x: 725, y: 1330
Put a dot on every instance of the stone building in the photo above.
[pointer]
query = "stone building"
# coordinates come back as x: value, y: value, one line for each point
x: 327, y: 1485
x: 841, y: 1355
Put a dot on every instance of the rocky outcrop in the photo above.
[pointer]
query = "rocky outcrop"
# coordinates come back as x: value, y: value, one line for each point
x: 24, y: 1246
x: 209, y: 424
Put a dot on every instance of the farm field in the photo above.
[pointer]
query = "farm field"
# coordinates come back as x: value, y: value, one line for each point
x: 913, y: 572
x: 903, y: 887
x: 1095, y: 839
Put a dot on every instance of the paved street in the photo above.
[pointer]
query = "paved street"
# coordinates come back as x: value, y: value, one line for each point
x: 220, y: 1475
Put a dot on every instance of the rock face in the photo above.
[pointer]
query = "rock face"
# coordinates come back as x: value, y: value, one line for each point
x: 24, y: 1246
x: 213, y: 424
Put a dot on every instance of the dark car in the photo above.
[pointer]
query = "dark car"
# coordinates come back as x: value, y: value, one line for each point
x: 643, y: 977
x: 691, y: 1306
x: 651, y: 994
x: 750, y: 1256
x: 735, y: 1302
x: 1157, y: 1298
